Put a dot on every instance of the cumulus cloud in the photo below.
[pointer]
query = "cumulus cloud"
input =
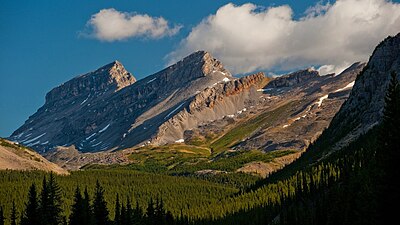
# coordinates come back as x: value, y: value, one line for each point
x: 113, y: 25
x: 248, y: 37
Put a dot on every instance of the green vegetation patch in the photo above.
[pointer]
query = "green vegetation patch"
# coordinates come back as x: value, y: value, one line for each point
x: 245, y: 129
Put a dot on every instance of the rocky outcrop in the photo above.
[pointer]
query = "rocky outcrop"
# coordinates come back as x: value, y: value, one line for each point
x: 213, y: 103
x: 293, y: 78
x: 364, y: 108
x: 210, y: 96
x: 111, y: 77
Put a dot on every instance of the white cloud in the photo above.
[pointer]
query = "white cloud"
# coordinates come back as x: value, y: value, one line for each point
x: 113, y: 25
x: 248, y: 38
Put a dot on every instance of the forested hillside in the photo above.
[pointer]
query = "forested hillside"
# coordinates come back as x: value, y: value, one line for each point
x: 352, y: 186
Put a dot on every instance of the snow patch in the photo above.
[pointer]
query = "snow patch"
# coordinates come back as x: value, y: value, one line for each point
x: 322, y: 99
x: 174, y: 110
x: 104, y: 129
x: 180, y: 141
x: 350, y: 85
x: 85, y: 100
x: 91, y: 136
x: 284, y: 126
x: 230, y: 116
x: 96, y: 144
x: 225, y: 79
x: 19, y: 135
x: 33, y: 139
x: 32, y: 144
x: 151, y: 80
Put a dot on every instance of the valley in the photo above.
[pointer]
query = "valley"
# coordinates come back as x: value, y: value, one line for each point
x: 195, y: 144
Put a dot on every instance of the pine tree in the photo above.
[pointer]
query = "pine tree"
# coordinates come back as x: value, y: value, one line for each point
x: 2, y: 219
x: 117, y: 217
x: 50, y: 202
x: 87, y: 213
x: 44, y: 203
x: 124, y: 218
x: 77, y: 209
x: 138, y: 215
x: 129, y: 212
x: 31, y: 214
x: 100, y: 206
x: 54, y: 202
x: 388, y: 152
x: 150, y: 213
x: 390, y: 133
x: 159, y: 212
x: 169, y: 219
x: 13, y: 216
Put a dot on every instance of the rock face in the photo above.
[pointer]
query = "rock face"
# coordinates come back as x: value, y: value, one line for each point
x: 288, y: 113
x: 364, y: 107
x: 213, y: 103
x: 107, y: 109
x: 109, y: 78
x: 196, y: 98
x: 17, y: 157
x: 293, y: 78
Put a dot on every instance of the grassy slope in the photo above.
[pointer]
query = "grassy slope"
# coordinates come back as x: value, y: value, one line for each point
x: 18, y: 157
x: 188, y: 160
x: 245, y: 129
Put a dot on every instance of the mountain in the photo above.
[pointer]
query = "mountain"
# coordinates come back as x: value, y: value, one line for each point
x: 195, y: 101
x: 294, y: 109
x: 17, y: 157
x: 107, y: 109
x: 364, y: 107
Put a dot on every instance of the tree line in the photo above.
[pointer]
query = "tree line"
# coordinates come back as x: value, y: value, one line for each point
x: 352, y: 186
x: 44, y: 208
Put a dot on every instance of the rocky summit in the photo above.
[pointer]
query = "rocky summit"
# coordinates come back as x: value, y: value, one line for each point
x: 194, y: 100
x: 108, y: 109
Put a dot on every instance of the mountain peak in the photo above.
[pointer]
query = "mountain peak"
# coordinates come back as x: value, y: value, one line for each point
x: 112, y: 76
x: 116, y: 73
x: 210, y: 64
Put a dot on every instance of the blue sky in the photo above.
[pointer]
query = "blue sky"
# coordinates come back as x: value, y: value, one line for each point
x: 45, y: 43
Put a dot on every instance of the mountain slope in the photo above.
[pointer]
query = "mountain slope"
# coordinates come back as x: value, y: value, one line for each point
x: 194, y: 100
x: 287, y: 114
x: 114, y: 111
x: 249, y: 113
x: 17, y: 157
x: 364, y: 107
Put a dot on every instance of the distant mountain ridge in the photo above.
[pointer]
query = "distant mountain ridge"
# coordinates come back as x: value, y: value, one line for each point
x: 102, y: 109
x: 108, y: 109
